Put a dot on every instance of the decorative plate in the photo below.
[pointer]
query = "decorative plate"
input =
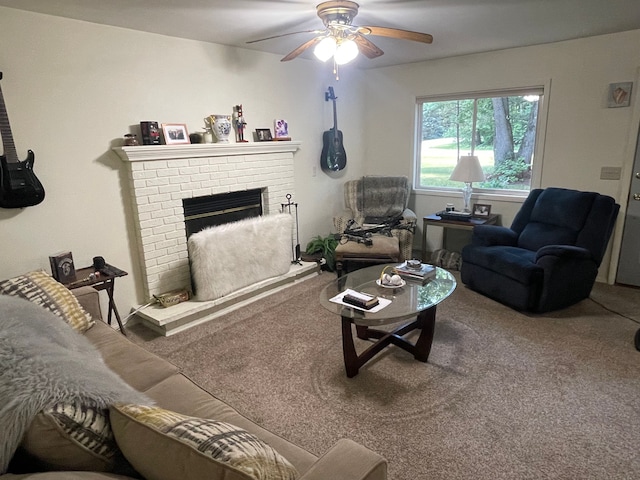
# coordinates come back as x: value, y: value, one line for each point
x: 380, y: 284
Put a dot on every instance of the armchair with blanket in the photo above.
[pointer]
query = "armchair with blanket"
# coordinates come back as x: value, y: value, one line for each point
x: 380, y: 200
x: 549, y: 258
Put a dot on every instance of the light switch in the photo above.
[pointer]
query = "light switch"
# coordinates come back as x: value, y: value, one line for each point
x: 610, y: 173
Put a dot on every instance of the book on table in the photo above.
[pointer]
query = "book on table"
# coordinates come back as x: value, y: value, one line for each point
x: 362, y: 300
x: 423, y: 274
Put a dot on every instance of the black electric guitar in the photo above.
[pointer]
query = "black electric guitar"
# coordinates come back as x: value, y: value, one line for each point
x: 19, y: 186
x: 333, y: 156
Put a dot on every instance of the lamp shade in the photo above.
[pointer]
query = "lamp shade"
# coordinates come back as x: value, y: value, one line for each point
x: 468, y: 169
x: 325, y: 49
x: 346, y: 51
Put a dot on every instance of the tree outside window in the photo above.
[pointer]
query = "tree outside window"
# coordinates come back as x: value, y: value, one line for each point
x: 505, y: 136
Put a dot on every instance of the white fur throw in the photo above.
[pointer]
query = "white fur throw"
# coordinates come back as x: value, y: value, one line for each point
x: 44, y: 361
x: 229, y: 257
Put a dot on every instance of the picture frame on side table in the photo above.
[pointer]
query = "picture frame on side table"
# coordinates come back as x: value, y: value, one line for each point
x: 263, y: 134
x: 62, y: 267
x: 481, y: 210
x: 175, y: 134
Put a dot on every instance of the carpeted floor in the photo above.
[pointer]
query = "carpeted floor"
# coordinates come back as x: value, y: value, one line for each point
x: 503, y: 396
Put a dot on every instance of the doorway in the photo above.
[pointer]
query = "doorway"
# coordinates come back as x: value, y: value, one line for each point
x: 629, y: 264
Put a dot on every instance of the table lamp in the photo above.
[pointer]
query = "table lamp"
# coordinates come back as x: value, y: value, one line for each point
x: 468, y: 170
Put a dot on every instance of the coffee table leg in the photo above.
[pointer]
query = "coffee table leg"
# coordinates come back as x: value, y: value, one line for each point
x: 349, y: 349
x: 362, y: 332
x: 427, y: 325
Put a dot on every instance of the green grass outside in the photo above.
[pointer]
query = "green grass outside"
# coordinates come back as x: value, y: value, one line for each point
x: 438, y: 164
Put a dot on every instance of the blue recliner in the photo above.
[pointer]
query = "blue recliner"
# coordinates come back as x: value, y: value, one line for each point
x: 549, y: 258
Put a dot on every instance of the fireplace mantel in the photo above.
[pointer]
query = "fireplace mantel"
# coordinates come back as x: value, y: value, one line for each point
x: 143, y: 153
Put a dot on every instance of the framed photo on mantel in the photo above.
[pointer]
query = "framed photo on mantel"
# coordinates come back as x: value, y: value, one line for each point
x: 263, y: 134
x: 281, y: 130
x: 175, y: 134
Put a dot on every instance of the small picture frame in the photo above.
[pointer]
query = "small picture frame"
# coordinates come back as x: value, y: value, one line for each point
x: 62, y: 267
x: 175, y: 134
x: 281, y: 128
x: 481, y: 210
x: 263, y: 134
x: 619, y: 94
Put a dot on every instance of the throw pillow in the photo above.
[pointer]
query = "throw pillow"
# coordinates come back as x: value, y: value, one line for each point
x: 73, y: 436
x: 42, y: 289
x: 165, y: 445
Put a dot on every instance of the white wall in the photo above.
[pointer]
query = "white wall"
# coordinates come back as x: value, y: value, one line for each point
x: 582, y: 134
x: 73, y: 89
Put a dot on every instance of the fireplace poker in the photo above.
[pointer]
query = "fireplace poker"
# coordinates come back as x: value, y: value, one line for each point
x: 295, y: 249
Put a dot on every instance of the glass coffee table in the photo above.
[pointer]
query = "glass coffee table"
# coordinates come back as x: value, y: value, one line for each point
x: 413, y: 306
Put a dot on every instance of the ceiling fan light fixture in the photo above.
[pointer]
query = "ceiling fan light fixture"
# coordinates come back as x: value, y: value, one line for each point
x: 346, y: 51
x: 325, y: 49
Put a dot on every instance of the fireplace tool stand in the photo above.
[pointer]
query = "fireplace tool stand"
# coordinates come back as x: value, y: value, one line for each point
x: 295, y: 248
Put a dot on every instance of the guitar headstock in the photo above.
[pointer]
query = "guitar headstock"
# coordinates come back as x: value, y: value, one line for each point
x: 329, y: 95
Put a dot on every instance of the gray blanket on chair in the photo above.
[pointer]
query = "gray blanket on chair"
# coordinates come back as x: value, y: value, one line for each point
x: 43, y: 361
x: 384, y: 198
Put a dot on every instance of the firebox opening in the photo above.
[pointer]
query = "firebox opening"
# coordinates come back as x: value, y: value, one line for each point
x: 213, y: 210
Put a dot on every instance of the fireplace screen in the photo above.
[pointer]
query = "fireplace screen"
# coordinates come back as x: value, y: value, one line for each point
x: 212, y: 210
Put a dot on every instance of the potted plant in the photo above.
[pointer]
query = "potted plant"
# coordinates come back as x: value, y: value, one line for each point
x: 323, y: 247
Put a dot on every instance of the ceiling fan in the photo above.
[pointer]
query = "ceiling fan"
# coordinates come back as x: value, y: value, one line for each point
x: 341, y: 39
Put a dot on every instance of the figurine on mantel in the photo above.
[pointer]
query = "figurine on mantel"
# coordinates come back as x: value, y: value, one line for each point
x: 240, y: 123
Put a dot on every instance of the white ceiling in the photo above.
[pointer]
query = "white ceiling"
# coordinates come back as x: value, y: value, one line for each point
x: 458, y: 26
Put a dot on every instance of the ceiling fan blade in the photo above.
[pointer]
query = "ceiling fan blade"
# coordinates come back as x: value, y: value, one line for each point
x: 367, y: 48
x: 285, y: 35
x: 301, y: 49
x: 396, y: 33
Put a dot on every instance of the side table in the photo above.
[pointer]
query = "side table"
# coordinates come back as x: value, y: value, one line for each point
x: 104, y: 279
x: 454, y: 224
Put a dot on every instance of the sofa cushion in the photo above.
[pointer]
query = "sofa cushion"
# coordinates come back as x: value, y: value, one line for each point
x: 72, y: 436
x: 138, y: 367
x: 162, y: 444
x: 182, y: 395
x: 42, y: 289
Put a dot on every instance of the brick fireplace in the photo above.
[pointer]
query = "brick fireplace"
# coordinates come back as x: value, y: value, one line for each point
x: 160, y: 177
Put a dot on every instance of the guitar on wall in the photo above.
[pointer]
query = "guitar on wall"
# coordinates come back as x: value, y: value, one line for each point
x: 19, y: 186
x: 333, y: 157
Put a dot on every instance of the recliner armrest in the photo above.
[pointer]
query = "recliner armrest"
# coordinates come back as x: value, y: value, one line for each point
x: 489, y: 235
x: 564, y: 251
x: 348, y: 460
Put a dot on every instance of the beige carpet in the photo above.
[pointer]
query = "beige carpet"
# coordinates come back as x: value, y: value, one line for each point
x: 503, y: 396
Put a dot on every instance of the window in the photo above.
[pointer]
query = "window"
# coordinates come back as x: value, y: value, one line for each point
x: 500, y: 128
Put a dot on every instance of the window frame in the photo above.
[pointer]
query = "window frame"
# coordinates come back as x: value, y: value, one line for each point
x: 542, y: 90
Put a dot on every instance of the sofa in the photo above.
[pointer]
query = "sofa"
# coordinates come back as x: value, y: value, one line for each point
x: 147, y: 451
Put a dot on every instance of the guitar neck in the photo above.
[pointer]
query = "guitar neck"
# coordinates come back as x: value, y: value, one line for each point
x: 5, y: 130
x: 335, y: 116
